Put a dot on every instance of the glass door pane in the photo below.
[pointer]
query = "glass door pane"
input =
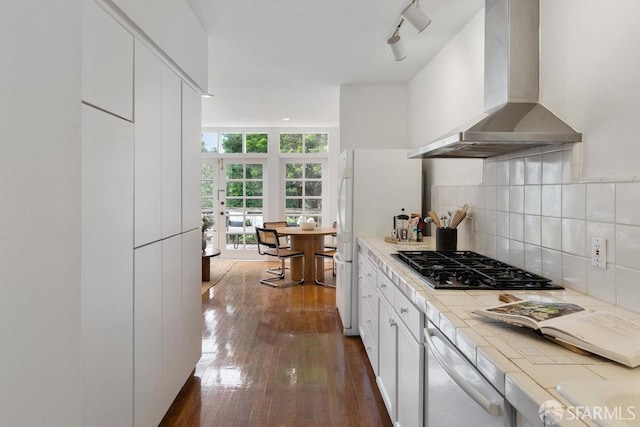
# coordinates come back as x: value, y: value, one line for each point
x: 243, y: 181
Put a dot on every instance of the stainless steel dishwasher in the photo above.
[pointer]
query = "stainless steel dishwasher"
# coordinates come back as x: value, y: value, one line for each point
x: 456, y: 394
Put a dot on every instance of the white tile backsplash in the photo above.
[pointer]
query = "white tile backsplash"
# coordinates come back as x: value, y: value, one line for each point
x: 573, y: 236
x: 516, y: 171
x: 552, y: 265
x: 532, y: 204
x: 532, y: 229
x: 551, y: 200
x: 533, y: 169
x: 516, y: 226
x: 516, y: 253
x: 574, y: 203
x: 601, y: 283
x: 502, y: 172
x: 502, y: 198
x: 532, y: 213
x: 574, y: 272
x: 628, y: 289
x: 490, y: 173
x: 552, y: 168
x: 533, y: 258
x: 601, y: 202
x: 628, y: 246
x: 516, y: 198
x: 628, y: 203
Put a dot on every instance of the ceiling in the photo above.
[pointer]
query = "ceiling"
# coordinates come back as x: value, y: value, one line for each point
x: 270, y: 59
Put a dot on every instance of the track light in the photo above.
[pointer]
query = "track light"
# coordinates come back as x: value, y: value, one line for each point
x: 416, y: 17
x: 397, y: 48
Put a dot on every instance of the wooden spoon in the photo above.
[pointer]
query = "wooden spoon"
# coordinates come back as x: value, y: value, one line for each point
x: 434, y: 217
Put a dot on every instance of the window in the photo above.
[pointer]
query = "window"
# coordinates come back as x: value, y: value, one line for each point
x: 303, y: 191
x: 234, y: 142
x: 304, y: 143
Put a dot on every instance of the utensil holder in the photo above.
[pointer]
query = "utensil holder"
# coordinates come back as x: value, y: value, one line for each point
x: 446, y: 239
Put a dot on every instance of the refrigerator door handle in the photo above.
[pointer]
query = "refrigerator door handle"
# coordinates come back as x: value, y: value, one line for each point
x: 346, y: 237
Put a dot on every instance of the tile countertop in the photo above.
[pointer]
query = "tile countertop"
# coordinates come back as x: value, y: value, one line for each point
x: 523, y: 366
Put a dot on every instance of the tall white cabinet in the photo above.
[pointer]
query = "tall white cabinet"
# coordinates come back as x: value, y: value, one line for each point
x: 141, y: 303
x: 107, y: 268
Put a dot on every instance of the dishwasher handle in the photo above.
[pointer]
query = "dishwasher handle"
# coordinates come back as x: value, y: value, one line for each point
x: 490, y: 406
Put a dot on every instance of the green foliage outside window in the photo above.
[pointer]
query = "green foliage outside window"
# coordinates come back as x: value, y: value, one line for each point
x: 231, y: 143
x: 316, y: 142
x: 257, y: 142
x: 291, y: 143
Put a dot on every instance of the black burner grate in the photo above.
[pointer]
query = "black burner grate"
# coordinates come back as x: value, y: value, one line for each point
x: 469, y: 270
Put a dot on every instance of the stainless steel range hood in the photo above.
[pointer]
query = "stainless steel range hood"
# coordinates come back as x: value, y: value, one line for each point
x: 514, y: 120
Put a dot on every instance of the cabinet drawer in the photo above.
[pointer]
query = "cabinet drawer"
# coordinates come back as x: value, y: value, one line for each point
x: 408, y: 313
x: 370, y: 347
x: 386, y: 286
x: 371, y: 271
x: 371, y: 317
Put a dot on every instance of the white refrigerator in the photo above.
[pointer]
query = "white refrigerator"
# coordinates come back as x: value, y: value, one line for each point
x: 374, y: 185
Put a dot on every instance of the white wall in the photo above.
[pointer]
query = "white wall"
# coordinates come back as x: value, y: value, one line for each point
x: 305, y: 106
x: 589, y: 77
x: 373, y: 116
x: 172, y: 25
x: 448, y: 92
x: 40, y: 214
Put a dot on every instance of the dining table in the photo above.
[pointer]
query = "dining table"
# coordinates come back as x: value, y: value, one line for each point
x: 307, y: 241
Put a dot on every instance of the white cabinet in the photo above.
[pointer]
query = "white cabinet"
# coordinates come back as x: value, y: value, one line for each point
x: 147, y: 335
x: 387, y: 356
x: 107, y: 268
x: 401, y: 357
x: 191, y: 301
x: 171, y: 319
x: 191, y: 158
x: 171, y: 154
x: 107, y: 62
x: 148, y: 153
x: 368, y: 308
x: 410, y: 390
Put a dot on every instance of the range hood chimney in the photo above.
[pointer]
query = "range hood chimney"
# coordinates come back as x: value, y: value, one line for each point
x: 514, y: 120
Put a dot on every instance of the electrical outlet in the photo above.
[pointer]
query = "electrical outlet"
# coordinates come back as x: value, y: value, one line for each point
x: 599, y: 252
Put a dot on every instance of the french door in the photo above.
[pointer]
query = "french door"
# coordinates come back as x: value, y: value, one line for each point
x: 237, y: 194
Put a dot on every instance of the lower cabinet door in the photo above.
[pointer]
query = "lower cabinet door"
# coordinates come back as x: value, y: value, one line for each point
x: 191, y: 301
x: 410, y: 391
x: 172, y: 379
x: 147, y: 335
x: 387, y: 359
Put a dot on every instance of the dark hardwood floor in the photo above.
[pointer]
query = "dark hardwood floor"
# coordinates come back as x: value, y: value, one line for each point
x: 276, y: 357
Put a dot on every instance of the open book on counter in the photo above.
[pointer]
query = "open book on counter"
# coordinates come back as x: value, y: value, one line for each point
x: 598, y: 332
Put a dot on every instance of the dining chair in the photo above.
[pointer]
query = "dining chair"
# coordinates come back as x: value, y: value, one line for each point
x: 323, y: 255
x: 283, y: 241
x: 269, y: 244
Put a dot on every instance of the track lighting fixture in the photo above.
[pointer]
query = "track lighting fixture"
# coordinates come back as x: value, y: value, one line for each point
x: 416, y: 17
x: 418, y: 20
x: 397, y: 48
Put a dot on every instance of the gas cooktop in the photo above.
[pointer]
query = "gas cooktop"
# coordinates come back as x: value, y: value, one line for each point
x: 470, y: 270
